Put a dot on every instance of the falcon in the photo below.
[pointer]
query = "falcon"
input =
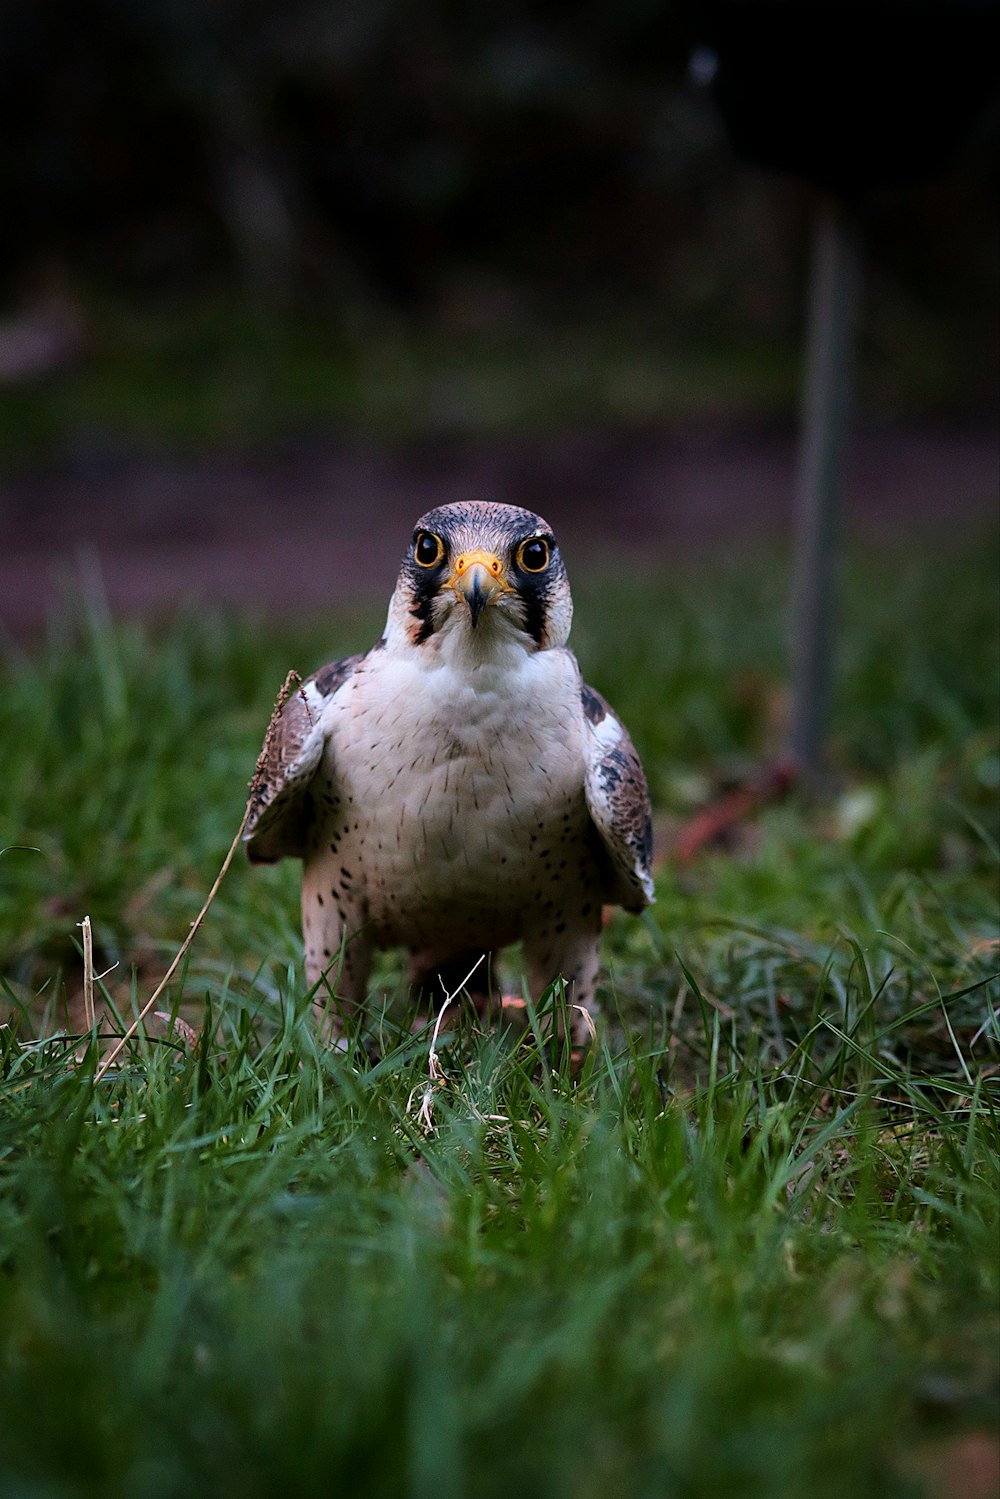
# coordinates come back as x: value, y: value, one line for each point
x: 458, y: 787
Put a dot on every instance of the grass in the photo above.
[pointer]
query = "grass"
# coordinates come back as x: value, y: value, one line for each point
x: 211, y: 369
x: 751, y: 1249
x: 215, y: 373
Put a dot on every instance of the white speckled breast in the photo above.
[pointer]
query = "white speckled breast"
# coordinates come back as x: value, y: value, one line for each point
x: 458, y: 791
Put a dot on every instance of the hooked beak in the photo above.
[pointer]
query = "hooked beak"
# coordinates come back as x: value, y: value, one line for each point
x: 479, y: 577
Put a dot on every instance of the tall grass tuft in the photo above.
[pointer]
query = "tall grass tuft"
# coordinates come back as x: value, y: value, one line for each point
x: 748, y: 1247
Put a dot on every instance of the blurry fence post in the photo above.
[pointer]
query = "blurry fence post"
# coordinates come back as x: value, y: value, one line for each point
x: 828, y: 399
x: 848, y: 98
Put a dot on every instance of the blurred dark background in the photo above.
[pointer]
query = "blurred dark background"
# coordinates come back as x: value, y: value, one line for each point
x: 269, y: 271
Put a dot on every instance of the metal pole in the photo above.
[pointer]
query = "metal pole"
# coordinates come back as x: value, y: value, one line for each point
x: 833, y: 313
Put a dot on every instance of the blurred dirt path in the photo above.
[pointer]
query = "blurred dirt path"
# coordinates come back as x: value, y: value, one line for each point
x: 313, y: 526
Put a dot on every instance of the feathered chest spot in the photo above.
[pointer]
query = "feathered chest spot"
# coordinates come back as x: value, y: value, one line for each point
x: 402, y: 717
x: 449, y: 787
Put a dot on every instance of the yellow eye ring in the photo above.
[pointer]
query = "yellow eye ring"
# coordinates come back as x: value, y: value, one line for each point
x: 533, y: 555
x: 428, y: 549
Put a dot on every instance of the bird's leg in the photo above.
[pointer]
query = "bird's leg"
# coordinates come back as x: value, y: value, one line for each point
x: 573, y: 955
x: 338, y: 960
x: 340, y: 987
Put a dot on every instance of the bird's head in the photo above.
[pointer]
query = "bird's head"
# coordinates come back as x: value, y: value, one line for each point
x: 481, y: 573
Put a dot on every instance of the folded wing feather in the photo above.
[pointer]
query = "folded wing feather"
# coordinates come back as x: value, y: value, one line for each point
x: 279, y: 812
x: 618, y: 801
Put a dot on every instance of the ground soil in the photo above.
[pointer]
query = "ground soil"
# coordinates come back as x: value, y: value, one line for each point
x: 322, y: 524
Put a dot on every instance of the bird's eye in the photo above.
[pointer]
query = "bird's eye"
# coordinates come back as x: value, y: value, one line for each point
x: 533, y: 555
x: 428, y: 549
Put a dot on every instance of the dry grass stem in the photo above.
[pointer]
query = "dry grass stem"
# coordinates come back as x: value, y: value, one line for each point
x: 588, y: 1021
x: 123, y: 1040
x: 435, y: 1070
x: 88, y: 973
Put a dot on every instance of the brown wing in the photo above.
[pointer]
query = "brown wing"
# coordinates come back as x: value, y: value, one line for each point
x: 618, y: 802
x: 280, y: 801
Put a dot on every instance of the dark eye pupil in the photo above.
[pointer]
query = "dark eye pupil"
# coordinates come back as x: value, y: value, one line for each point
x: 535, y: 555
x: 427, y: 549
